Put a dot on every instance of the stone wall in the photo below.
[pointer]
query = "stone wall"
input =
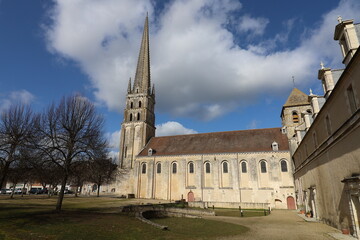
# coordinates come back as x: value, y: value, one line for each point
x: 244, y: 205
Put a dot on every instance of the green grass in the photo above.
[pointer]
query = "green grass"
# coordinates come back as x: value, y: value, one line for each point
x: 232, y: 212
x: 95, y: 218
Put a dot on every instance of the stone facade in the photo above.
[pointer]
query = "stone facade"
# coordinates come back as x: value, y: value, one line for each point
x: 170, y: 177
x: 327, y: 154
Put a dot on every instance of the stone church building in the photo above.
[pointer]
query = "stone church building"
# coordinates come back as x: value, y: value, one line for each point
x: 248, y: 168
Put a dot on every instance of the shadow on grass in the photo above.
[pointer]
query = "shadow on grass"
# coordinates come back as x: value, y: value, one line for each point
x: 38, y: 220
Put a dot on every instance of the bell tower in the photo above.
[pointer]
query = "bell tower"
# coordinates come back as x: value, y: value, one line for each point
x: 139, y: 119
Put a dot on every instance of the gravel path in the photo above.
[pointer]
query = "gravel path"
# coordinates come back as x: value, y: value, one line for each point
x: 280, y: 224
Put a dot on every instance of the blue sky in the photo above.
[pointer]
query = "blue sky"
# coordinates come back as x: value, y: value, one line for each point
x: 217, y: 65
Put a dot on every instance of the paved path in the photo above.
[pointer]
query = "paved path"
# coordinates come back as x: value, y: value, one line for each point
x: 280, y: 224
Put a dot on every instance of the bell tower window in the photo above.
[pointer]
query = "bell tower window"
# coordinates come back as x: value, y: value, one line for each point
x: 131, y: 117
x: 139, y: 104
x: 295, y: 117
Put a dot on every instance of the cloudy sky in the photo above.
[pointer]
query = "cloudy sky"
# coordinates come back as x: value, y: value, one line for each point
x: 217, y: 65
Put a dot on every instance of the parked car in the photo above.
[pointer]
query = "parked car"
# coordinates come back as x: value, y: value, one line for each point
x: 4, y: 191
x: 20, y: 190
x: 36, y: 191
x: 9, y: 191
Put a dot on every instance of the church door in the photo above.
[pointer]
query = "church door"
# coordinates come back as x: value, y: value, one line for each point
x: 191, y: 197
x: 290, y: 203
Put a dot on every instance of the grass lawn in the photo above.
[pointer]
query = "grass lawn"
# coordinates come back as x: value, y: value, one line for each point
x: 32, y: 217
x: 232, y: 212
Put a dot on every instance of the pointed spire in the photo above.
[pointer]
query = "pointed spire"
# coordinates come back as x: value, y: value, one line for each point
x: 153, y: 90
x: 142, y: 76
x: 129, y: 86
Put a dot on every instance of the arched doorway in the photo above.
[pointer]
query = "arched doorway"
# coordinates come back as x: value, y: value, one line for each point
x: 191, y: 197
x: 290, y: 203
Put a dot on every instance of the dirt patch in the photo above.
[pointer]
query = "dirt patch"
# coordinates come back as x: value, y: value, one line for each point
x: 280, y: 224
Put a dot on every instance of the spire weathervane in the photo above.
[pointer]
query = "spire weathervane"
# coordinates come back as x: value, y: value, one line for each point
x: 293, y: 79
x: 339, y: 19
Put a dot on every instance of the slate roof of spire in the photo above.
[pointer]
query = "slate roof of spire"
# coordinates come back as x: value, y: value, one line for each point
x: 142, y: 75
x: 256, y: 140
x: 297, y: 98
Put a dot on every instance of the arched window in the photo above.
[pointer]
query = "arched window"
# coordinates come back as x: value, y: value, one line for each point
x: 295, y: 117
x: 263, y: 166
x: 225, y: 167
x: 284, y: 167
x: 191, y: 167
x: 130, y: 117
x: 158, y: 168
x: 174, y: 168
x: 243, y: 167
x: 131, y: 105
x: 207, y: 167
x: 138, y: 116
x: 139, y: 104
x: 143, y: 168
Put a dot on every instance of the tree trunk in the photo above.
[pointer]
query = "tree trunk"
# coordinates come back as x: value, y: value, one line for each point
x: 13, y: 191
x: 4, y: 173
x: 61, y: 193
x: 76, y: 191
x: 98, y: 190
x: 22, y: 190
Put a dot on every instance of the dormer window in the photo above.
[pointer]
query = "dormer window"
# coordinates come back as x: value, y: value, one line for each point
x: 150, y: 152
x: 346, y: 34
x: 343, y: 44
x: 275, y: 146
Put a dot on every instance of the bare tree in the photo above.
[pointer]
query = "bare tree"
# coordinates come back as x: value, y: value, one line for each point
x: 16, y: 130
x: 18, y: 173
x: 47, y: 173
x: 79, y: 174
x: 101, y: 171
x: 70, y: 132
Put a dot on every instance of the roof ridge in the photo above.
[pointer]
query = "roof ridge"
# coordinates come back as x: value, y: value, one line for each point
x: 192, y: 134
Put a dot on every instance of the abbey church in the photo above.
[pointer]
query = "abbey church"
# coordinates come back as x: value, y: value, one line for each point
x: 248, y: 168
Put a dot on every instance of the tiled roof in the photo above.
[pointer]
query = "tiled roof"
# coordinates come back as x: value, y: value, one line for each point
x: 297, y: 98
x: 256, y: 140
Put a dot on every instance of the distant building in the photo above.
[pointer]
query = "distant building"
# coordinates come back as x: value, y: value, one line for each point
x: 326, y: 140
x: 248, y: 168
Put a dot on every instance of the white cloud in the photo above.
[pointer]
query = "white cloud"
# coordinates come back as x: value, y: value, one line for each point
x: 172, y: 128
x: 252, y: 26
x: 196, y: 66
x: 253, y: 124
x: 115, y: 156
x: 114, y: 139
x: 16, y: 97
